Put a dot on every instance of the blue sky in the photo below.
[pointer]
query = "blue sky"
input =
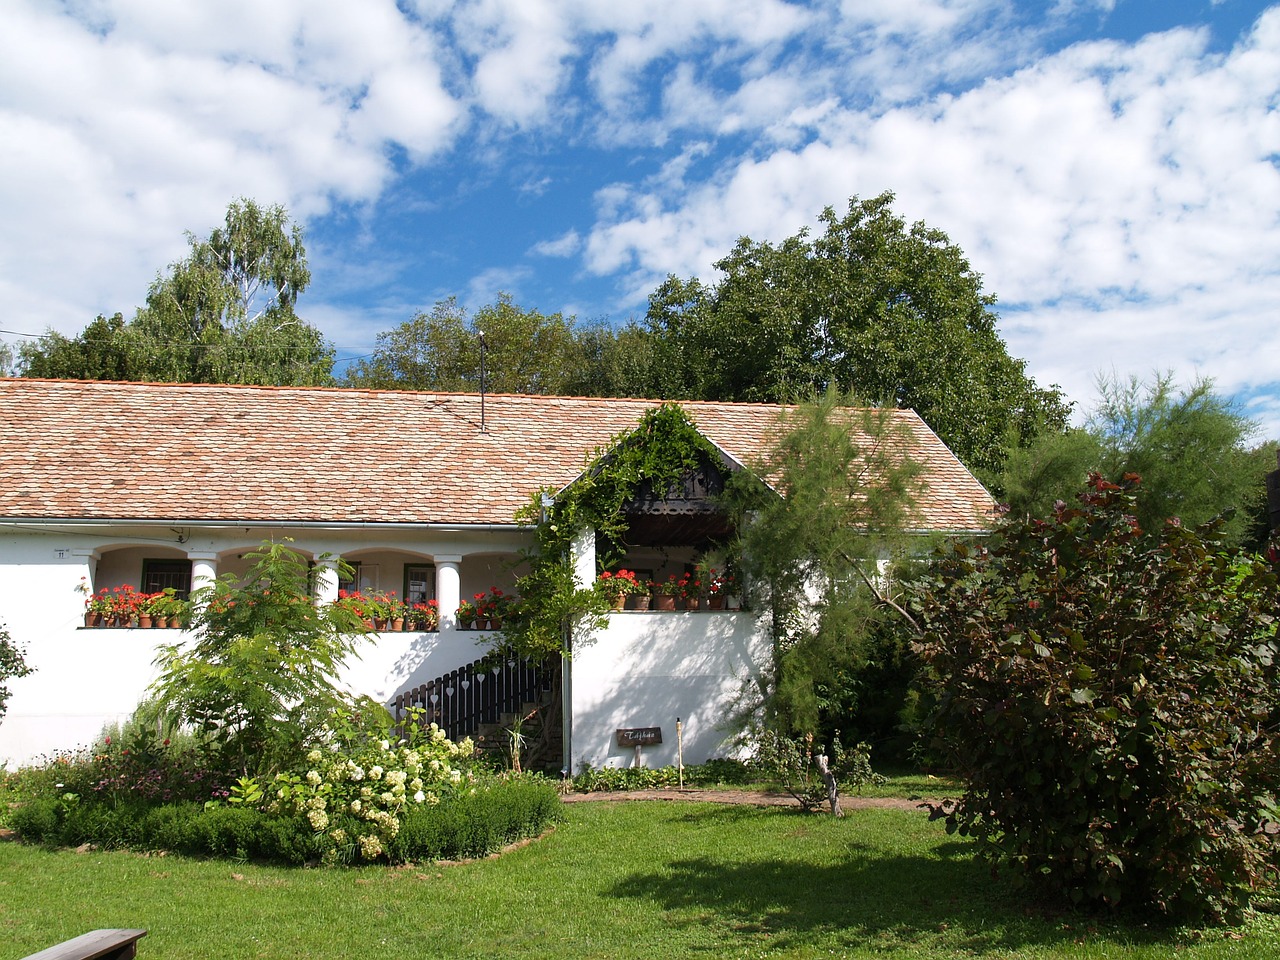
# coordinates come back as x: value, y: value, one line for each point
x: 1111, y: 167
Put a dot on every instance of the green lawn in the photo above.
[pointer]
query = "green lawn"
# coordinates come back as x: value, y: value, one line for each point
x: 644, y: 880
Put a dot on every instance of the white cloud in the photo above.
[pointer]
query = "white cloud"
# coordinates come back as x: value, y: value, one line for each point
x: 565, y: 245
x: 485, y: 287
x: 1122, y: 196
x: 123, y: 124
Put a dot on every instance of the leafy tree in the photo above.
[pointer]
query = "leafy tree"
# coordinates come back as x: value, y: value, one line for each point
x: 525, y: 352
x: 6, y: 360
x: 13, y: 664
x: 224, y: 314
x: 1112, y: 704
x: 872, y: 306
x: 813, y: 542
x: 259, y: 678
x: 99, y: 352
x: 1190, y: 447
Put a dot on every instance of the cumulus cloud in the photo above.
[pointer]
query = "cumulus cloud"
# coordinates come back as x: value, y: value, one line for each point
x: 1119, y: 198
x: 123, y: 124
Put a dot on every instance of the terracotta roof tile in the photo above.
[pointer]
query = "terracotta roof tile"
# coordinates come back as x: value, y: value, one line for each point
x: 208, y: 452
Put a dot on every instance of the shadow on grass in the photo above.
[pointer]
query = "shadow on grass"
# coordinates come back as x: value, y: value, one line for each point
x: 865, y: 896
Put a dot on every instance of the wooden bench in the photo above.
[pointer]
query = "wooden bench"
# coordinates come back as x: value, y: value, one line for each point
x: 95, y: 945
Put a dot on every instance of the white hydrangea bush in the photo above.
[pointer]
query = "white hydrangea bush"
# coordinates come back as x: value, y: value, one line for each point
x: 375, y: 782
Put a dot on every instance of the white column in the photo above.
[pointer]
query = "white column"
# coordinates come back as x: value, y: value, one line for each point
x: 327, y: 578
x: 87, y: 559
x: 204, y: 568
x: 582, y: 553
x: 448, y: 588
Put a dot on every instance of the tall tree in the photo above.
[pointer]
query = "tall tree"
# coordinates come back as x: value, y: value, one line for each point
x: 1191, y: 446
x: 891, y: 312
x: 223, y: 314
x: 839, y: 499
x: 525, y: 352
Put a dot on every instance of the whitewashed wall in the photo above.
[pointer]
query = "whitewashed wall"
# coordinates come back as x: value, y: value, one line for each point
x: 650, y: 668
x: 646, y: 670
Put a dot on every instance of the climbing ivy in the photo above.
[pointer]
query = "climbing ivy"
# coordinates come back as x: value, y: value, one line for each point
x: 658, y: 452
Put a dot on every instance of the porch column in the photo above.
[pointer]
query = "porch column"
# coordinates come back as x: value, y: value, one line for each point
x: 448, y: 588
x: 204, y: 568
x: 327, y: 578
x: 582, y: 554
x: 87, y: 562
x: 88, y: 556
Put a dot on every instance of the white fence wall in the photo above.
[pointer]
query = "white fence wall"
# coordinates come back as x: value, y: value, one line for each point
x: 648, y: 669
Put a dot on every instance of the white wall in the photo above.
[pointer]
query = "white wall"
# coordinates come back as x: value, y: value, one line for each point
x: 648, y: 669
x: 645, y: 670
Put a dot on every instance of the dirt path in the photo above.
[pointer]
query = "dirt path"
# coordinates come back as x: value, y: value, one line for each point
x: 758, y: 798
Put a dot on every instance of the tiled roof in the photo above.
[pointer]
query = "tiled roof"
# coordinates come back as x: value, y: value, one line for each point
x: 208, y: 452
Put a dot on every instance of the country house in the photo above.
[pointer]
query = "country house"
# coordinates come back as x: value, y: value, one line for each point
x: 154, y: 486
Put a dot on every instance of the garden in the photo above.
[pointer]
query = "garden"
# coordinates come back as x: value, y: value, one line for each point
x: 1103, y: 700
x: 613, y: 879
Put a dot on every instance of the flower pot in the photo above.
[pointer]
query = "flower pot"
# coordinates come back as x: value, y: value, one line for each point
x: 144, y: 621
x: 92, y: 619
x: 619, y: 601
x: 715, y: 603
x: 397, y: 623
x: 160, y: 623
x: 638, y: 601
x: 379, y: 623
x: 664, y: 601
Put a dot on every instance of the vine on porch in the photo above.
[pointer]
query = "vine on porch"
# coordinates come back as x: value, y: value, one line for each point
x: 660, y: 451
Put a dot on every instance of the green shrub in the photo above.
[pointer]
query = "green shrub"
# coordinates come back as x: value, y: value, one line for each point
x: 712, y: 773
x: 1112, y: 706
x: 471, y: 822
x: 793, y: 764
x: 479, y: 820
x: 13, y: 665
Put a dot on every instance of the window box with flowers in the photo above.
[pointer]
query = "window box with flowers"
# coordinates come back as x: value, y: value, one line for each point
x: 492, y: 608
x: 425, y: 616
x: 619, y: 586
x: 396, y: 610
x: 665, y: 592
x: 356, y: 603
x: 469, y: 612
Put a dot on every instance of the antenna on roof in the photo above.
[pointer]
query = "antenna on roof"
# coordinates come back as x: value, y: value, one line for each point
x: 483, y: 346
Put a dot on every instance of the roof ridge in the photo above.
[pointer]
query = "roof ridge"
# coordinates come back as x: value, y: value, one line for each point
x: 473, y: 395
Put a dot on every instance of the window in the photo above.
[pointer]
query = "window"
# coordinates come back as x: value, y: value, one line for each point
x: 159, y: 575
x: 419, y: 582
x: 352, y: 583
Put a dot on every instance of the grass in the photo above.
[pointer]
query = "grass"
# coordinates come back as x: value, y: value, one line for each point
x: 616, y: 880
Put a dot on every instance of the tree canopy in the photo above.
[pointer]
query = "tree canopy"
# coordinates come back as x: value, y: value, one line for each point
x: 1191, y: 447
x: 892, y: 313
x: 525, y: 352
x: 223, y: 314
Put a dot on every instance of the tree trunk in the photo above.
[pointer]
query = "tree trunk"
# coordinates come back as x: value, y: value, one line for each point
x: 833, y: 789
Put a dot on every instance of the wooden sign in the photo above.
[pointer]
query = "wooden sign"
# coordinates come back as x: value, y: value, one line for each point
x: 640, y: 737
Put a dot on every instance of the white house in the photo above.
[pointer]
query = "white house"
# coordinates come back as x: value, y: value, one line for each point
x: 107, y: 484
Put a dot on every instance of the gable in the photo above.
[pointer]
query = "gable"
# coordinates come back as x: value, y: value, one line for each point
x: 221, y: 453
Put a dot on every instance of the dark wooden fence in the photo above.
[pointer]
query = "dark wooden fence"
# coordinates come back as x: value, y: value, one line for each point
x: 479, y: 693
